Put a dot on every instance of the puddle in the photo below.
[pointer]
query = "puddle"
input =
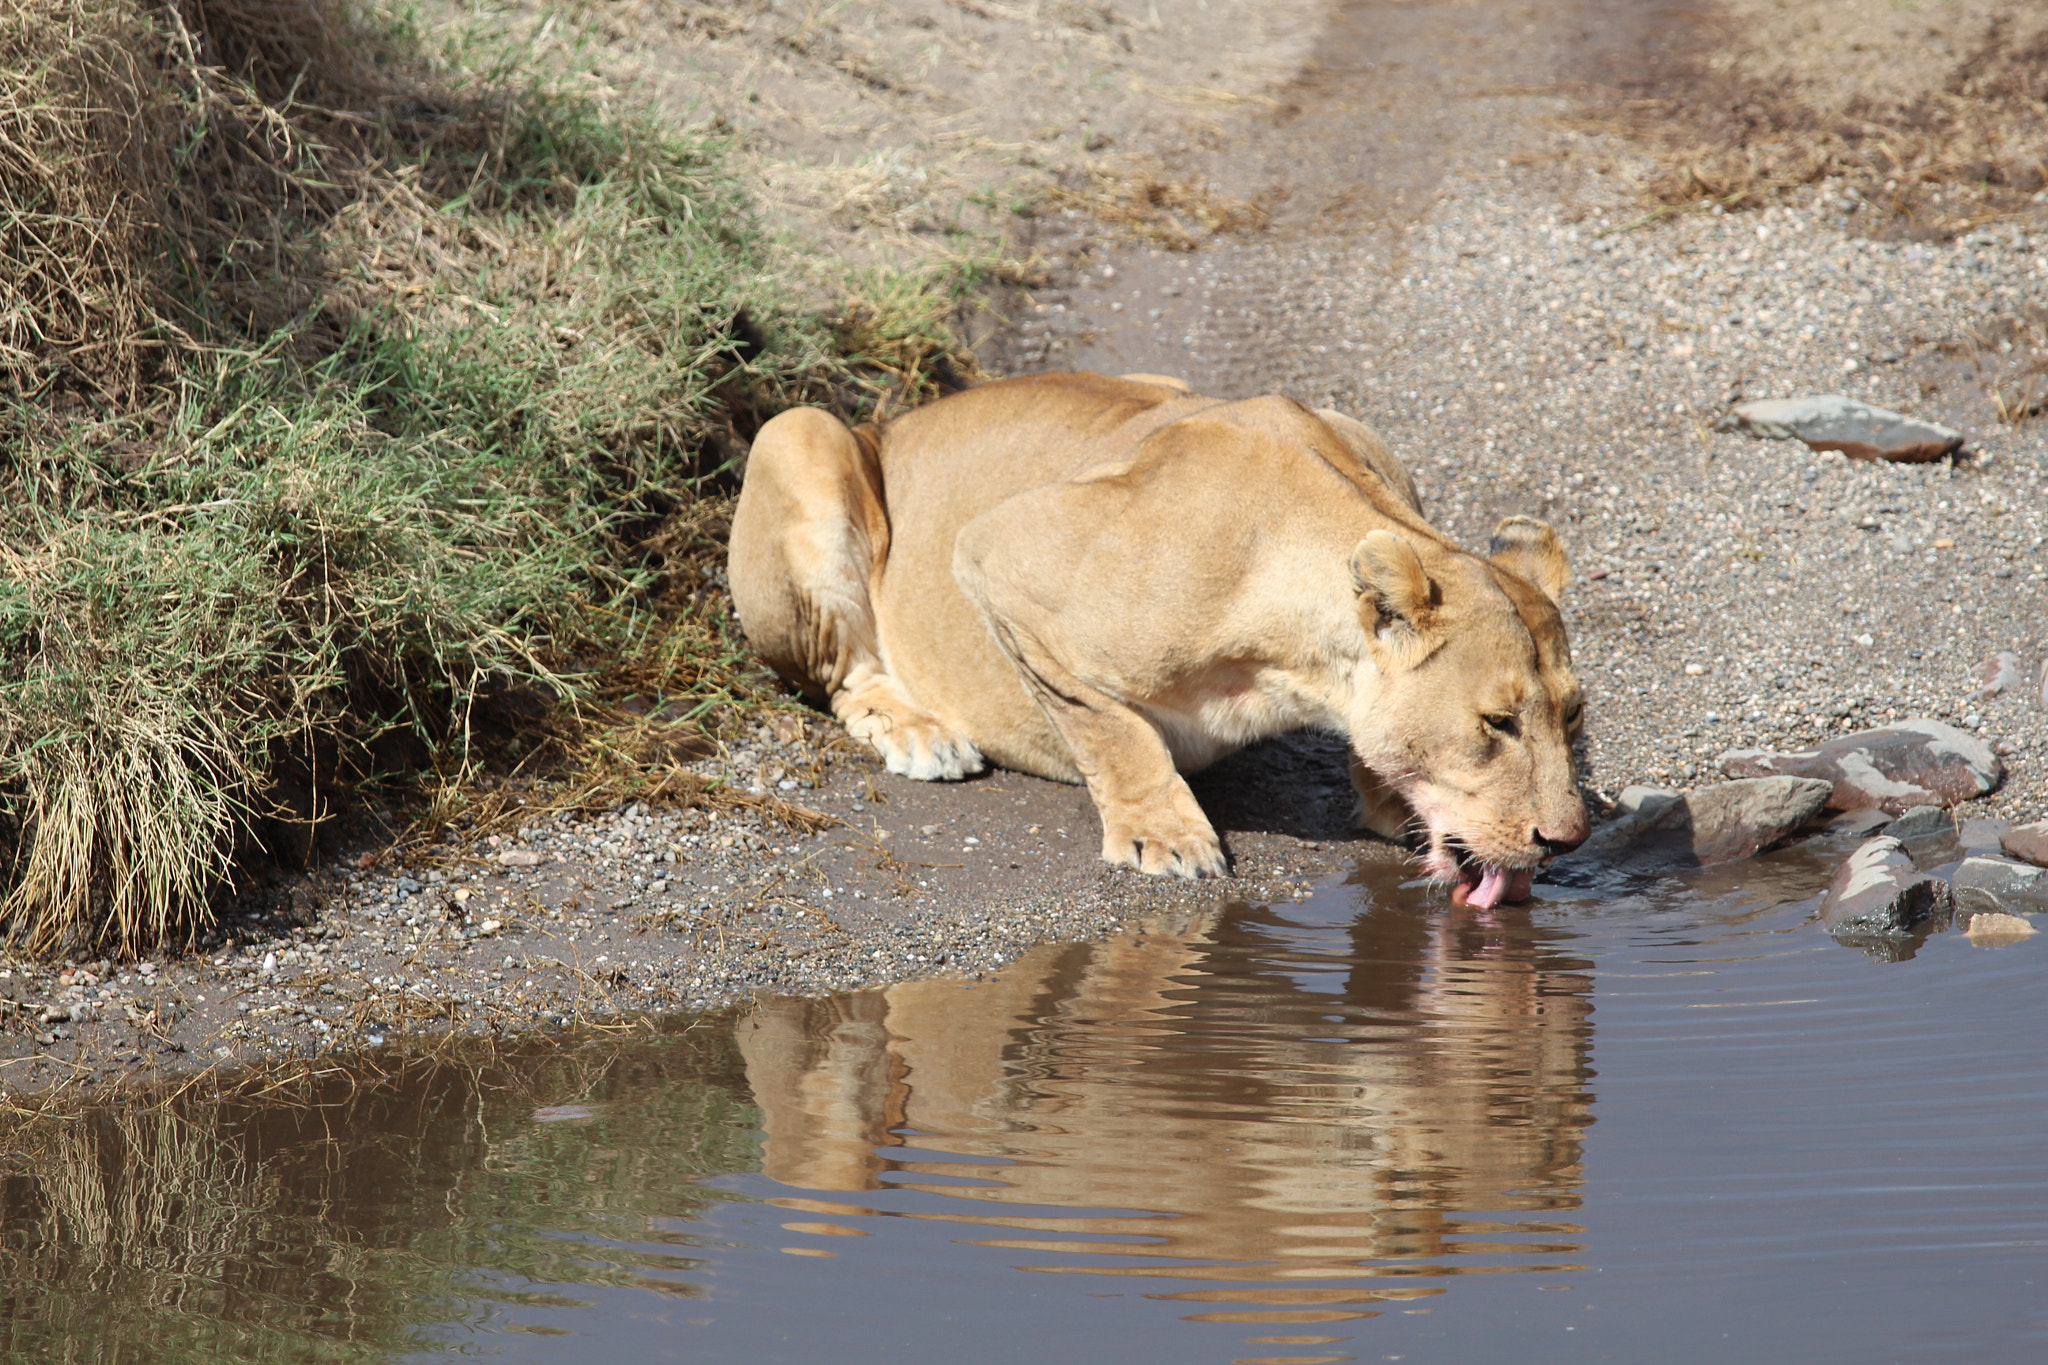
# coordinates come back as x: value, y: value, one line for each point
x: 1680, y: 1126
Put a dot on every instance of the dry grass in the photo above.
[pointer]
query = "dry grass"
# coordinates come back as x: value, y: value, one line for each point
x: 1916, y: 145
x: 84, y: 123
x: 1138, y: 198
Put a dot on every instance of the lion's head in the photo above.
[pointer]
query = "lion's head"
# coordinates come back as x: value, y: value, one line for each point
x: 1473, y: 712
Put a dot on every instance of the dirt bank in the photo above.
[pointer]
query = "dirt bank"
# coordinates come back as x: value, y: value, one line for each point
x: 1453, y: 254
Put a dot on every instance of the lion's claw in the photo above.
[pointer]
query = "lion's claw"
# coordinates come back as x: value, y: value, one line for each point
x: 1194, y: 854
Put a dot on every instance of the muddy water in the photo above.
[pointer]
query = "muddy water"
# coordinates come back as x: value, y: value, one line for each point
x: 1674, y: 1124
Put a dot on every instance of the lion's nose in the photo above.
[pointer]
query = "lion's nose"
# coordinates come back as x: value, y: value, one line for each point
x: 1552, y: 847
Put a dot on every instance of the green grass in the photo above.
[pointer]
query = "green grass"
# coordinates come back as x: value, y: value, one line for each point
x: 538, y: 327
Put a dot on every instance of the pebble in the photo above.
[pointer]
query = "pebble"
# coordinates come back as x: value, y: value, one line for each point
x: 1998, y: 674
x: 1996, y: 930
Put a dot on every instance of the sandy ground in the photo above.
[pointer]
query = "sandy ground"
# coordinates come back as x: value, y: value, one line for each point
x: 893, y: 130
x: 1457, y: 252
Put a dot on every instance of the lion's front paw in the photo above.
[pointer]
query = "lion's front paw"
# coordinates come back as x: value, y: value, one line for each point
x: 1178, y: 848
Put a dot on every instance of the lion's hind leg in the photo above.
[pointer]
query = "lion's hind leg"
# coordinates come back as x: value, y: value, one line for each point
x: 807, y: 538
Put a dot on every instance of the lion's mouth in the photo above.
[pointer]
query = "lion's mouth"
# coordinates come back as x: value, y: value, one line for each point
x: 1477, y: 884
x: 1482, y: 887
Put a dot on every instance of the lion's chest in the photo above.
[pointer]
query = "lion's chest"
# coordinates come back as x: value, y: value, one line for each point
x: 1228, y: 706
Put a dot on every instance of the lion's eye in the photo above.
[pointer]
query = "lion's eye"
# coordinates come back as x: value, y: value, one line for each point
x: 1573, y: 717
x: 1503, y: 724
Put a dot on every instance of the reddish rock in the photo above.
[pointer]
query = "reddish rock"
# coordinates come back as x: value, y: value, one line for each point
x: 1878, y: 891
x: 1894, y: 768
x: 2029, y: 843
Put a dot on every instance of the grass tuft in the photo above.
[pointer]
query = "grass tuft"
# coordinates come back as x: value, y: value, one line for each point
x: 366, y: 395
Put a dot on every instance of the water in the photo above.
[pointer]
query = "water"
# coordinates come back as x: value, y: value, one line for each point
x: 1675, y: 1125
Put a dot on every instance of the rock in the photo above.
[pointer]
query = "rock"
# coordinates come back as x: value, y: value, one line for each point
x: 1998, y: 931
x: 1997, y: 674
x: 2044, y: 683
x: 1917, y: 762
x: 1861, y: 824
x: 1732, y: 820
x: 519, y: 857
x: 1627, y: 825
x: 2029, y: 843
x: 1990, y: 884
x: 1981, y: 834
x: 1833, y: 422
x: 1656, y: 828
x: 1922, y: 822
x: 1878, y: 891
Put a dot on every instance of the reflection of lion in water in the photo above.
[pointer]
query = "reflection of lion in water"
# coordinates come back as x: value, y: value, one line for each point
x: 1109, y: 1076
x: 1115, y: 581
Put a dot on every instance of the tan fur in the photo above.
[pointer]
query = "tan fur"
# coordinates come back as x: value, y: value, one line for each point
x: 1115, y: 581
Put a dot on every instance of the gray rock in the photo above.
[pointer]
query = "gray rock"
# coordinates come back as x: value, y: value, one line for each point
x: 1732, y: 820
x: 1981, y: 834
x: 1645, y: 801
x: 1722, y: 823
x: 2029, y: 843
x: 1918, y: 762
x: 1628, y: 825
x: 1922, y: 822
x: 1989, y: 885
x: 1878, y: 892
x: 1858, y: 430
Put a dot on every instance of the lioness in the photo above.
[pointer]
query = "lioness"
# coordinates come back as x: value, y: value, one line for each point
x: 1114, y: 581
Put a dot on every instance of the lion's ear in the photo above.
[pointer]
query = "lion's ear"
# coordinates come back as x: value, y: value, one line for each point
x: 1529, y: 549
x: 1396, y: 599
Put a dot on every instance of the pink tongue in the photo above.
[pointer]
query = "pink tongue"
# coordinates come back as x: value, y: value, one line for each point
x: 1498, y: 884
x: 1493, y: 885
